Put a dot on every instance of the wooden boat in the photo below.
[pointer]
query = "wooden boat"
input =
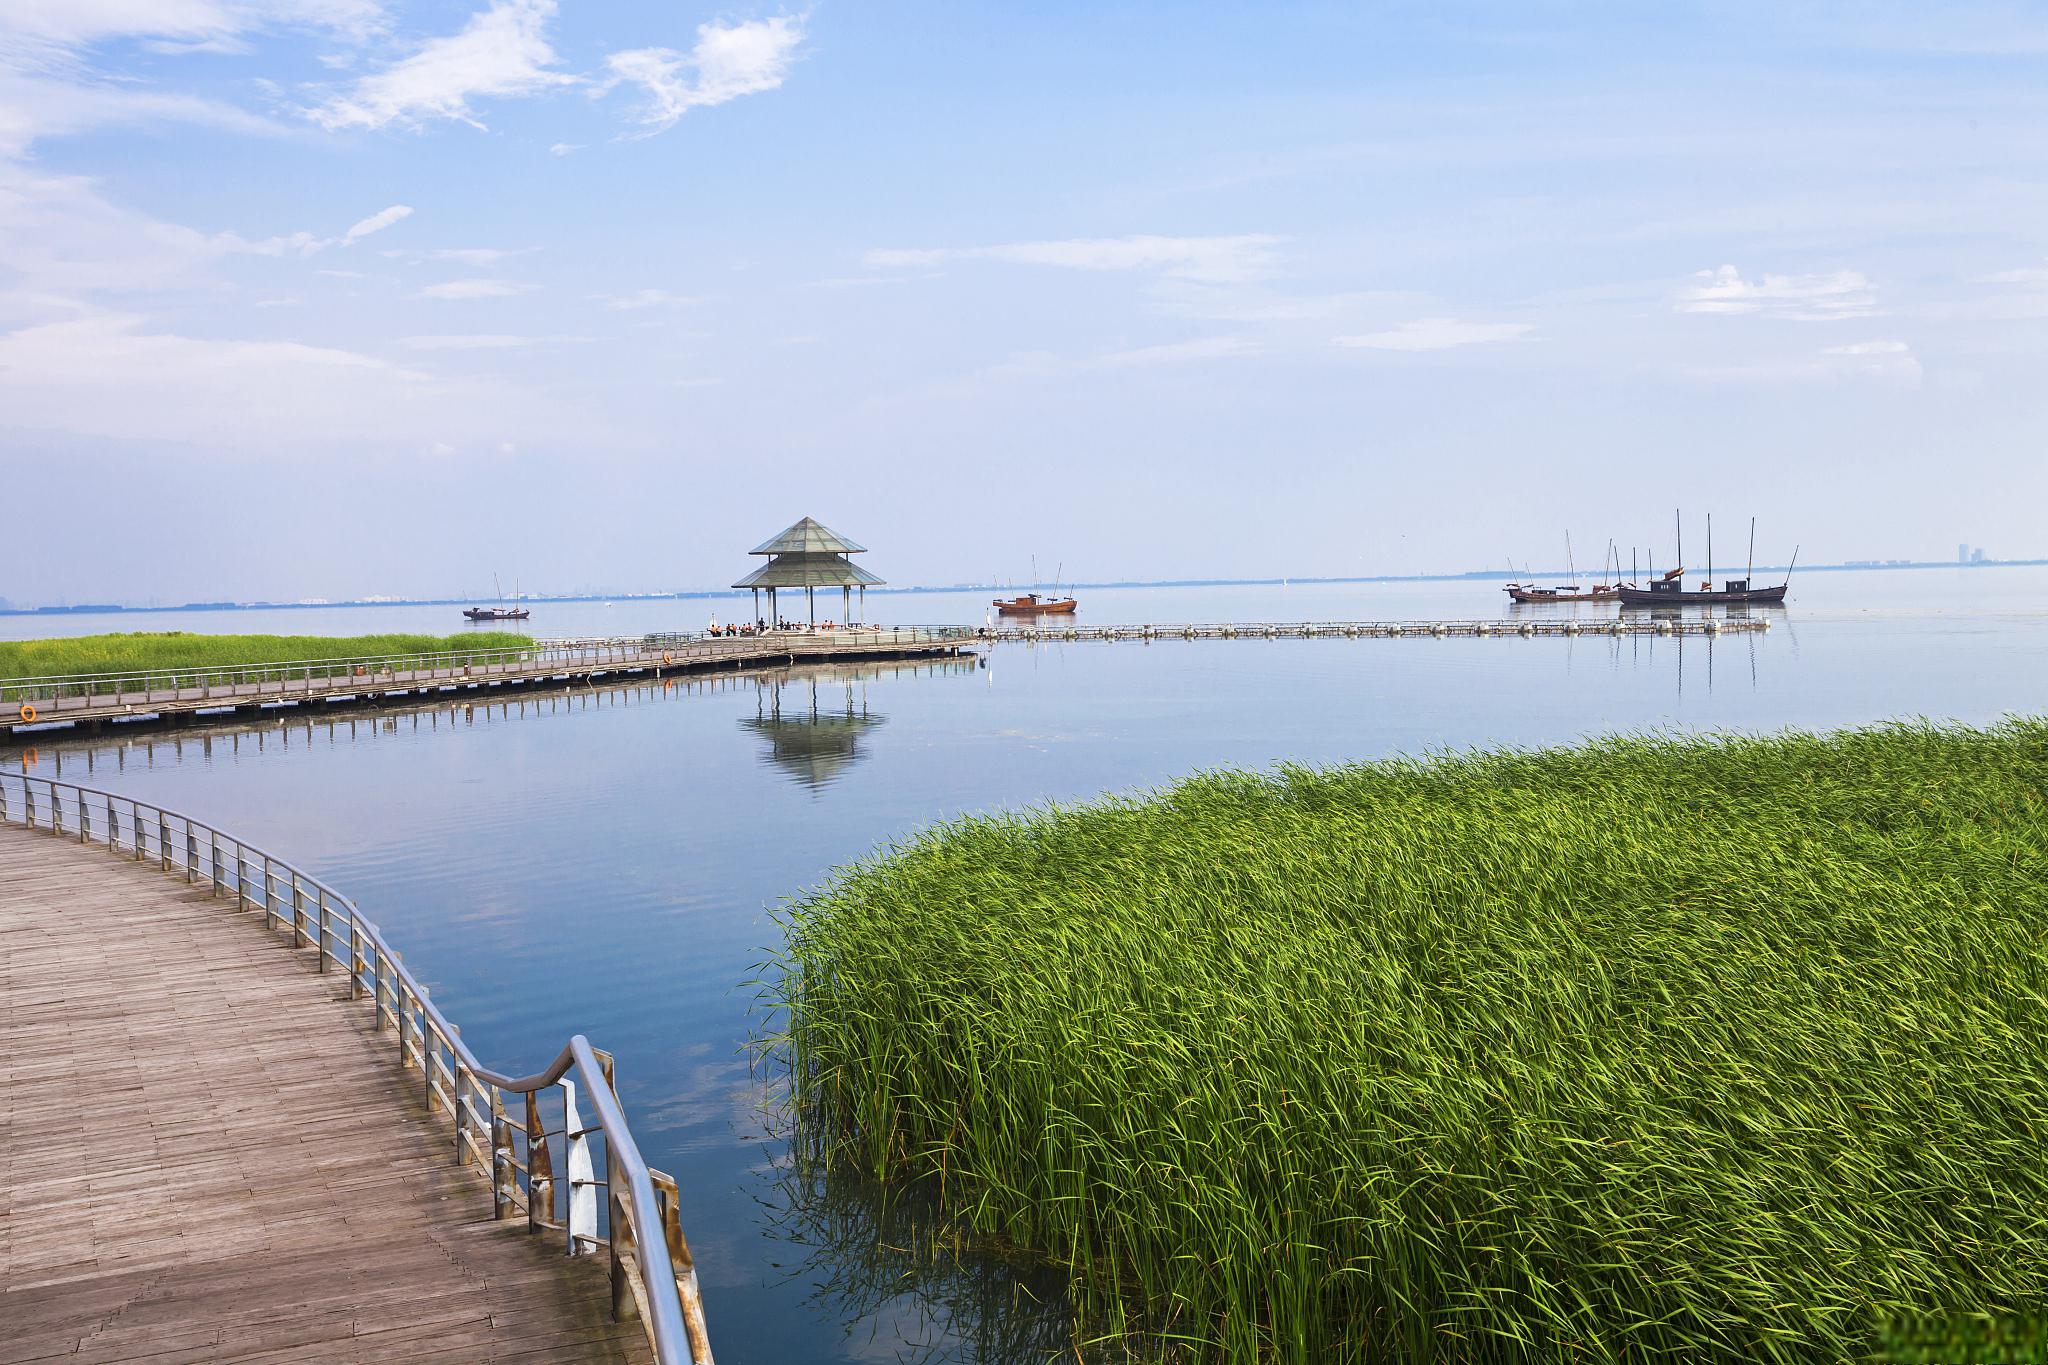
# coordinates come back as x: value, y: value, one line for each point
x: 1571, y: 592
x: 1031, y: 604
x: 501, y: 612
x: 1670, y: 591
x: 1568, y: 592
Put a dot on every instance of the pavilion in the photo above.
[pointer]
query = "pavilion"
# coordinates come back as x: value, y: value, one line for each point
x: 809, y: 556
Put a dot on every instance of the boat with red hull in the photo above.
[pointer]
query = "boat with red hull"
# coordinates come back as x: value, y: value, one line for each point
x: 1031, y: 604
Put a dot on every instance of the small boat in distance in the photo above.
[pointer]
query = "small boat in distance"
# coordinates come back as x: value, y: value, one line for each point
x: 1031, y: 604
x: 501, y: 612
x: 1568, y: 592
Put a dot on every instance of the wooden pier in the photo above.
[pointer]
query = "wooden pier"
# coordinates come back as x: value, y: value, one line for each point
x: 1380, y: 630
x: 91, y: 702
x: 238, y: 1130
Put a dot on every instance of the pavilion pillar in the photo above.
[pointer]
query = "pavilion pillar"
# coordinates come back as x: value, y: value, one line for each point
x: 845, y: 604
x: 811, y: 602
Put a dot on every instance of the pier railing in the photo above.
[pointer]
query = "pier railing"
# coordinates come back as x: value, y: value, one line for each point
x: 1310, y: 630
x: 653, y: 1277
x: 52, y: 695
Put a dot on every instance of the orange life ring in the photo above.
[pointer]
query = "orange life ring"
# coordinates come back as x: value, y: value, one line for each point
x: 668, y: 656
x: 28, y: 714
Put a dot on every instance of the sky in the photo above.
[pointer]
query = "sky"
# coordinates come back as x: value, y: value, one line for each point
x: 333, y: 298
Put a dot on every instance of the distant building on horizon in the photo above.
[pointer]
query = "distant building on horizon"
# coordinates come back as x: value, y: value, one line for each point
x: 1977, y: 555
x: 1963, y: 553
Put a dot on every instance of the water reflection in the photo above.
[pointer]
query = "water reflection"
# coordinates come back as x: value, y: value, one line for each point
x: 816, y: 719
x: 884, y: 1263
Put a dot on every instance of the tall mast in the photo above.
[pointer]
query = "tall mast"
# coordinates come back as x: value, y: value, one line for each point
x: 1677, y: 522
x: 1752, y: 547
x: 1710, y: 550
x: 1569, y: 571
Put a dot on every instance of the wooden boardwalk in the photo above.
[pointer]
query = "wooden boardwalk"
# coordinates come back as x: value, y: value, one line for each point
x: 92, y: 702
x: 203, y: 1156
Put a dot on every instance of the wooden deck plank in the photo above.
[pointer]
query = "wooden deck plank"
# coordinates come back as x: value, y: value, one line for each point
x: 206, y: 1154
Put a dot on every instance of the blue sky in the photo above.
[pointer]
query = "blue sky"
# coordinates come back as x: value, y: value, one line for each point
x: 335, y: 297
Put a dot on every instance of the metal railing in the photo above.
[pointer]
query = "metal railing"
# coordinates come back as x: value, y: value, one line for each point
x: 53, y: 696
x: 653, y: 1277
x: 1275, y: 630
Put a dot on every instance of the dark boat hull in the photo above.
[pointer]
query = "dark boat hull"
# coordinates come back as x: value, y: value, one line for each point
x: 1538, y: 595
x: 487, y: 614
x: 1644, y: 597
x: 1029, y: 606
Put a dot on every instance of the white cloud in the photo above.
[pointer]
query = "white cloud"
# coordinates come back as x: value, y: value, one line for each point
x: 1210, y: 260
x: 1178, y: 352
x: 464, y: 343
x: 376, y: 222
x: 2032, y: 276
x: 1887, y: 362
x: 564, y: 148
x: 50, y: 33
x: 473, y: 289
x: 502, y: 51
x: 645, y: 298
x: 1807, y: 298
x: 729, y: 60
x: 1437, y: 334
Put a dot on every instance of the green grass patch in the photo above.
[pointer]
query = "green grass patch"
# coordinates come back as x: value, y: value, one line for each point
x: 1650, y: 1049
x: 179, y: 650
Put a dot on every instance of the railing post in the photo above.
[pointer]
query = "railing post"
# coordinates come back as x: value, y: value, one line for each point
x: 163, y: 840
x: 401, y: 1000
x: 56, y: 811
x: 540, y: 1169
x: 430, y: 1045
x: 28, y: 798
x: 624, y: 1308
x: 113, y: 827
x: 298, y: 913
x: 380, y: 980
x: 582, y: 1221
x: 191, y: 855
x: 242, y: 877
x: 501, y: 1158
x: 685, y: 1267
x: 465, y: 1086
x: 213, y: 860
x: 84, y: 820
x: 355, y: 959
x: 320, y: 928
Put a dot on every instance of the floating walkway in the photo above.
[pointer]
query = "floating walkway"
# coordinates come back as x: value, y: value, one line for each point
x: 94, y: 701
x: 1381, y: 630
x: 240, y: 1130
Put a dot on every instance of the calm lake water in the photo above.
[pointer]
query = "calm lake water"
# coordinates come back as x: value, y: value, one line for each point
x: 606, y: 860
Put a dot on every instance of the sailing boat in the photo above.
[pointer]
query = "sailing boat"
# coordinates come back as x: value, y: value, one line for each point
x: 1570, y: 592
x: 501, y: 612
x: 1031, y: 604
x: 1670, y: 590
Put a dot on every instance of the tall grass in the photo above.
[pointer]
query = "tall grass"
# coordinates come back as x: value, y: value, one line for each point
x: 1650, y: 1049
x: 169, y: 650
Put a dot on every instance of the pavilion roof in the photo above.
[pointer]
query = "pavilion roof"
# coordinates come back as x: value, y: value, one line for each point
x: 809, y: 571
x: 808, y: 537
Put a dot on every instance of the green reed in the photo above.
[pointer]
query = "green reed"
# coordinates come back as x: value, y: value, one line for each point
x: 168, y: 650
x: 1650, y: 1049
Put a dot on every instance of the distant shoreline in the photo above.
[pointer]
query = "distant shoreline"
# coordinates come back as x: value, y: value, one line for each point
x: 1473, y: 575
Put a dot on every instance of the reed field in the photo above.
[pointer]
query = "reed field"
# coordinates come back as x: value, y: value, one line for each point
x: 1651, y: 1049
x: 182, y: 650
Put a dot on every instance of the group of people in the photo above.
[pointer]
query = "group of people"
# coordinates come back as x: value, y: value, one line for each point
x: 761, y: 627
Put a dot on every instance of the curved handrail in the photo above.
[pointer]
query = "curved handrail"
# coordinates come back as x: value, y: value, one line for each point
x: 669, y: 1298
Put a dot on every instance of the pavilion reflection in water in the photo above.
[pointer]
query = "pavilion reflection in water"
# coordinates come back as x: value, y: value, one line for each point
x: 817, y: 720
